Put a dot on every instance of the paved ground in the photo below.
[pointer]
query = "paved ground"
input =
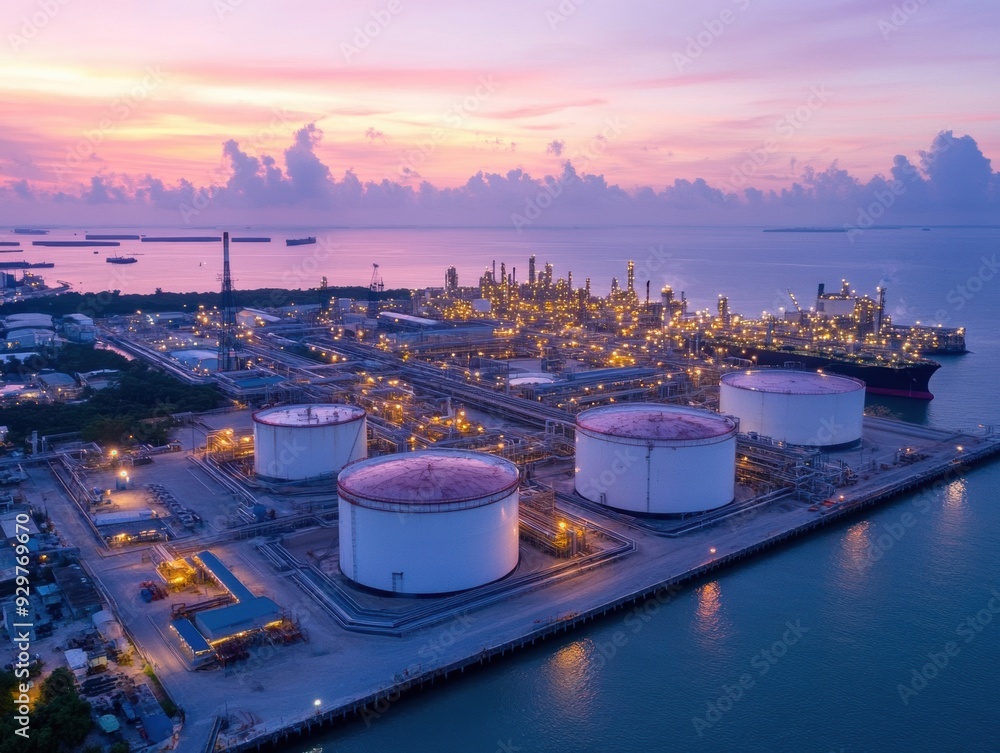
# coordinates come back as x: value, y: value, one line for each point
x: 278, y: 686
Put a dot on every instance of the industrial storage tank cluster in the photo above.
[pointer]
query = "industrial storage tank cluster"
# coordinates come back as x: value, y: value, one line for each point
x: 304, y: 442
x: 797, y: 407
x: 655, y: 459
x: 428, y: 522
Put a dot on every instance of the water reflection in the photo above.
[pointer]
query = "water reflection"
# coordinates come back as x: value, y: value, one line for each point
x: 711, y: 625
x: 956, y: 495
x: 857, y: 553
x: 569, y: 672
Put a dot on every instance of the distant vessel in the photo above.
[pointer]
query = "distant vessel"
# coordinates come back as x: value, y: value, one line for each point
x: 110, y: 237
x: 74, y: 244
x: 805, y: 230
x: 121, y: 260
x: 300, y: 241
x: 26, y: 264
x: 181, y: 239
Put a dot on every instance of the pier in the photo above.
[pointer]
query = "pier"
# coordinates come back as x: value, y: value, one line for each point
x: 592, y: 596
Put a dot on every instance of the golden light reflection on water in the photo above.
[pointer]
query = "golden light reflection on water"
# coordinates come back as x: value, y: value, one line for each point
x: 710, y: 624
x: 857, y: 549
x: 568, y: 668
x: 956, y: 495
x: 568, y: 673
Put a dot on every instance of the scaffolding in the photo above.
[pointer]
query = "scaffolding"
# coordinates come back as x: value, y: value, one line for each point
x: 547, y: 529
x: 766, y: 466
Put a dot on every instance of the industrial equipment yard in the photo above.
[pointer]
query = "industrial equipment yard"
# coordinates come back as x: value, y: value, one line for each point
x: 382, y: 500
x: 336, y: 670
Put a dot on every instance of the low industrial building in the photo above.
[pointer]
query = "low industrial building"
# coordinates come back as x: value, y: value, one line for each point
x: 100, y: 379
x: 201, y: 634
x: 58, y: 386
x: 28, y: 337
x: 197, y: 359
x: 252, y: 318
x: 79, y: 328
x: 78, y: 590
x: 225, y: 622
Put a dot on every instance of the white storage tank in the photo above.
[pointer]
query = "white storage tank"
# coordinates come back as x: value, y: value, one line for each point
x: 302, y: 442
x: 428, y: 522
x: 655, y: 459
x: 797, y: 407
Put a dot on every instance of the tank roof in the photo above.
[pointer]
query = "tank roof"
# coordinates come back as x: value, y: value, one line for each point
x: 317, y: 414
x: 431, y: 478
x: 655, y: 421
x: 791, y: 382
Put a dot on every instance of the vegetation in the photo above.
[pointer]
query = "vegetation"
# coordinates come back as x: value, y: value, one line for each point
x: 168, y: 706
x: 123, y: 414
x: 113, y: 302
x: 60, y: 719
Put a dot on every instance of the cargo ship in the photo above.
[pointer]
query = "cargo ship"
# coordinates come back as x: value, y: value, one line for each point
x: 300, y: 241
x: 897, y: 377
x: 26, y: 264
x: 121, y: 260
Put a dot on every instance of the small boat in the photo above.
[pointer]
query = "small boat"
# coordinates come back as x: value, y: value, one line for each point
x: 121, y: 260
x: 300, y: 241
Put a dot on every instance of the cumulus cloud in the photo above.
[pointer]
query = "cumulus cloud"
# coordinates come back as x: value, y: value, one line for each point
x: 952, y: 180
x: 555, y: 147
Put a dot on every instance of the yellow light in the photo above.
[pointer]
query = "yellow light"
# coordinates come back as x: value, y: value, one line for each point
x: 712, y: 550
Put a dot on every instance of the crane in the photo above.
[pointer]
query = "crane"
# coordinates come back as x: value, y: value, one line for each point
x: 792, y: 296
x: 375, y: 287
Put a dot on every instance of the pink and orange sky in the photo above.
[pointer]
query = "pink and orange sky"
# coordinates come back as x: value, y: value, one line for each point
x: 642, y: 93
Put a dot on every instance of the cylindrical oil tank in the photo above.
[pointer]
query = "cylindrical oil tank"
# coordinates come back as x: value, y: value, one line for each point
x: 428, y: 522
x: 798, y: 407
x: 302, y: 442
x: 655, y: 459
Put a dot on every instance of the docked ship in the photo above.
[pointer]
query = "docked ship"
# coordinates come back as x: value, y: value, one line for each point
x: 121, y: 260
x: 300, y: 241
x: 896, y: 377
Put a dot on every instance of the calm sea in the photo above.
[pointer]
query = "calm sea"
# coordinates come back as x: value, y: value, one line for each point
x: 864, y: 630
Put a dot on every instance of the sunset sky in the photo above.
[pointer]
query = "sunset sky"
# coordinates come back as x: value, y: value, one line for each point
x: 643, y: 93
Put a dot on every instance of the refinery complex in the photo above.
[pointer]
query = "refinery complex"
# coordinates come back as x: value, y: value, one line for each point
x: 396, y: 491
